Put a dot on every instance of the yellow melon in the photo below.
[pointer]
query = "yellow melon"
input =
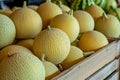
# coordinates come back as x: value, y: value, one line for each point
x: 34, y: 7
x: 47, y: 11
x: 85, y: 20
x: 92, y: 40
x: 28, y: 43
x: 21, y: 66
x: 95, y: 11
x: 64, y: 8
x: 28, y: 23
x: 54, y: 43
x: 51, y: 69
x: 13, y: 49
x: 75, y: 43
x: 5, y: 12
x: 68, y: 23
x: 109, y: 25
x: 75, y: 56
x: 7, y: 31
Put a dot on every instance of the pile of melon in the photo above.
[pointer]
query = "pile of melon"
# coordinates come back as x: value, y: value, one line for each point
x: 39, y: 42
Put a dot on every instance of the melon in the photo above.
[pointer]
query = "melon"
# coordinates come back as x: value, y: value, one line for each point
x: 47, y: 11
x: 5, y: 12
x: 109, y: 25
x: 7, y: 31
x: 95, y: 11
x: 68, y: 23
x: 13, y: 49
x: 85, y: 20
x: 54, y: 43
x: 63, y: 7
x: 51, y: 70
x: 28, y: 22
x: 92, y: 41
x: 21, y: 66
x: 34, y: 7
x: 28, y: 43
x: 75, y: 56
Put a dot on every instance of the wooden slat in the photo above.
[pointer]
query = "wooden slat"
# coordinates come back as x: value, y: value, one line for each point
x: 105, y: 71
x: 90, y: 65
x: 114, y: 76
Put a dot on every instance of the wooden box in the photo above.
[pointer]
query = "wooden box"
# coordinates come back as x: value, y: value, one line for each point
x: 99, y: 66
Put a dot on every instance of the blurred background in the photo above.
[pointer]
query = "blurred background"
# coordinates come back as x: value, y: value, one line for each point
x: 4, y: 4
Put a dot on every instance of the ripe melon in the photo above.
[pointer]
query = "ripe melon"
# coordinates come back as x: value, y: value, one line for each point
x: 51, y: 70
x: 109, y: 25
x: 28, y: 23
x: 34, y: 7
x: 92, y: 40
x: 47, y: 11
x: 95, y: 11
x: 28, y: 43
x: 68, y: 23
x: 64, y: 8
x: 7, y: 31
x: 75, y: 43
x: 13, y: 49
x: 85, y: 20
x: 5, y: 12
x: 54, y: 43
x: 21, y: 66
x: 75, y: 56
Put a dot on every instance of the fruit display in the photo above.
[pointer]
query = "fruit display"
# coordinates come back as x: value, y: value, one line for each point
x: 39, y: 42
x: 68, y: 23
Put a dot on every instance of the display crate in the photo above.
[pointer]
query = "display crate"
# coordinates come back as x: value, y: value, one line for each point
x: 98, y: 66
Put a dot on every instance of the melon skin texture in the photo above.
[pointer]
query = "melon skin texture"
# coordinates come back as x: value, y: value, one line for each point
x: 47, y: 11
x: 95, y: 11
x: 28, y: 23
x: 7, y: 31
x: 54, y: 43
x: 75, y: 56
x: 109, y: 26
x: 22, y: 66
x: 28, y: 43
x: 92, y: 41
x: 5, y: 12
x: 34, y: 7
x: 68, y: 23
x: 85, y: 20
x: 51, y: 70
x: 12, y: 49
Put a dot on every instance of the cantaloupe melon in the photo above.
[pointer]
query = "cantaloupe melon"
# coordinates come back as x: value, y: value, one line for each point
x: 13, y: 49
x: 54, y: 43
x: 5, y: 12
x: 7, y: 31
x: 75, y: 56
x: 68, y: 23
x: 21, y: 66
x: 95, y: 11
x: 92, y: 40
x: 34, y: 7
x: 51, y: 70
x: 47, y: 11
x: 28, y: 43
x: 109, y: 25
x: 28, y: 22
x: 85, y: 20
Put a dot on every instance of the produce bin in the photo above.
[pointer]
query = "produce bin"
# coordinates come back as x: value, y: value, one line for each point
x: 102, y: 65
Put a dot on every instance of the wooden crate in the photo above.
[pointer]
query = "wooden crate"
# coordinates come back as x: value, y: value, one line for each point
x: 107, y: 70
x: 95, y: 65
x: 113, y: 76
